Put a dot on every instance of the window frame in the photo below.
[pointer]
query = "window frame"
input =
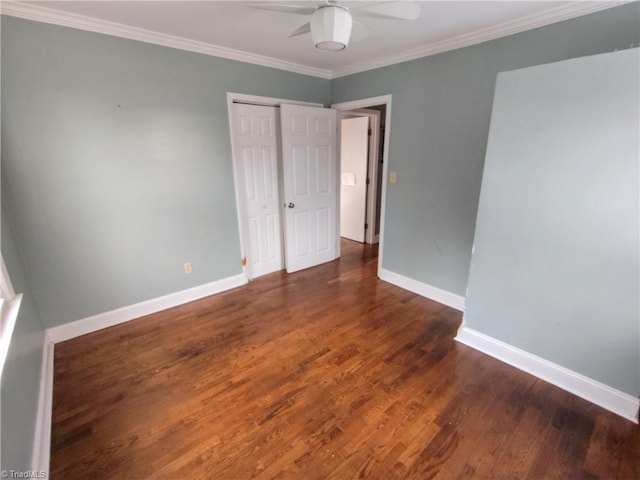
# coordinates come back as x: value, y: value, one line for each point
x: 9, y: 308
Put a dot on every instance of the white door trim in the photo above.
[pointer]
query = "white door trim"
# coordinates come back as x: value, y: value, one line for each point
x: 267, y: 101
x: 234, y: 97
x: 367, y: 103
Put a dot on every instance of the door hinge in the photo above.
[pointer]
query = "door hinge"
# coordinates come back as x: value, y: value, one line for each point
x: 244, y: 261
x: 369, y: 132
x: 366, y: 225
x: 368, y: 181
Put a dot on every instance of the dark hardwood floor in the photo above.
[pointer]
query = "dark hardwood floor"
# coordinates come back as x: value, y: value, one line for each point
x: 325, y: 373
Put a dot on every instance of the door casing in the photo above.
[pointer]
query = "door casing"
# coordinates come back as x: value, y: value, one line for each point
x: 363, y: 104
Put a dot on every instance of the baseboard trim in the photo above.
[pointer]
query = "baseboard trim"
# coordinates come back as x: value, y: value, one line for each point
x: 125, y: 314
x: 598, y: 393
x: 433, y: 293
x: 42, y: 436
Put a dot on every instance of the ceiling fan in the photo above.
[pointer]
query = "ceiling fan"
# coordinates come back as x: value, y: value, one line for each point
x: 332, y: 25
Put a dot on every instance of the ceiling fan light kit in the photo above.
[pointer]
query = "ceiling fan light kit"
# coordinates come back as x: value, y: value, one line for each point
x: 331, y: 24
x: 331, y: 28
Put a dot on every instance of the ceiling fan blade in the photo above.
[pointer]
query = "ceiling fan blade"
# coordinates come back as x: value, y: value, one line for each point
x: 358, y: 31
x: 284, y: 8
x: 396, y: 10
x: 301, y: 30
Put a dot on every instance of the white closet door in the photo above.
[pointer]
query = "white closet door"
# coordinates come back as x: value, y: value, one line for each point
x: 257, y: 149
x: 309, y: 146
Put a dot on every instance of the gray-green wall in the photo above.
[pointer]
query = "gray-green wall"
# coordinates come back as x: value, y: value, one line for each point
x: 440, y: 115
x: 116, y: 169
x: 21, y: 372
x: 556, y: 267
x: 117, y: 164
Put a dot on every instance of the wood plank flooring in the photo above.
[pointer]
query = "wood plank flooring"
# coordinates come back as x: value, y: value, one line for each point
x: 327, y: 373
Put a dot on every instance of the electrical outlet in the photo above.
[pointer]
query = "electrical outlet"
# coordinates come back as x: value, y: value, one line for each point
x: 393, y: 176
x: 187, y: 268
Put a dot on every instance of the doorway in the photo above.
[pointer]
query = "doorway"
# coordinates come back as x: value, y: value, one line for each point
x: 361, y: 160
x: 381, y: 104
x: 377, y: 159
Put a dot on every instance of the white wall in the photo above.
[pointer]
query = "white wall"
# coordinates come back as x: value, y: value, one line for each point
x: 555, y: 269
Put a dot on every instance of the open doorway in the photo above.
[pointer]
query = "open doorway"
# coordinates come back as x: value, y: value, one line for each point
x: 368, y: 227
x: 361, y: 158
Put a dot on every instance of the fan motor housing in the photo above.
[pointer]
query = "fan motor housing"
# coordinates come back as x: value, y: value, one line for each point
x: 331, y: 28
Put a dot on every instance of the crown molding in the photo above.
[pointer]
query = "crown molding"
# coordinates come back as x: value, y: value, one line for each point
x: 81, y: 22
x: 529, y: 22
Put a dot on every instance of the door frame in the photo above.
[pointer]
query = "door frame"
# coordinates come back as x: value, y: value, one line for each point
x: 243, y: 227
x: 368, y: 103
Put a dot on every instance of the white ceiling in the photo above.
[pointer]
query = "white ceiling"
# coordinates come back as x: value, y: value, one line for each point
x: 235, y: 30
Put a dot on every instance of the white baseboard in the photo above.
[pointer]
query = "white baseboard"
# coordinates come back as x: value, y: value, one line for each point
x: 433, y: 293
x: 42, y: 436
x: 125, y: 314
x: 606, y: 397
